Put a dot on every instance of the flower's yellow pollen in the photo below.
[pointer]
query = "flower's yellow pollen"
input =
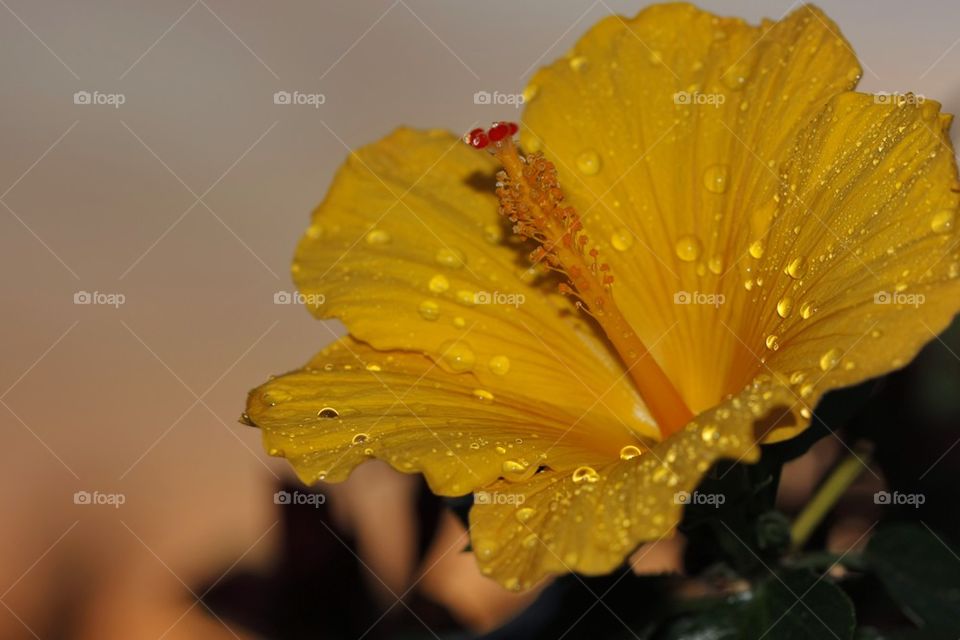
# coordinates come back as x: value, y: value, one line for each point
x: 530, y: 196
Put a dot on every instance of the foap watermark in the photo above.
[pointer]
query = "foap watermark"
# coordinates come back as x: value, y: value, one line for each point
x: 899, y: 298
x: 299, y: 497
x: 497, y: 98
x: 496, y: 497
x: 711, y: 499
x: 697, y: 297
x: 898, y: 99
x: 99, y: 297
x: 499, y: 297
x: 698, y: 99
x: 115, y: 500
x: 295, y: 297
x: 99, y: 98
x: 299, y: 98
x: 896, y: 498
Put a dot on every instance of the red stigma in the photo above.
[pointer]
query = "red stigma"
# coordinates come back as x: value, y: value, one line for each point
x: 480, y: 139
x: 477, y: 139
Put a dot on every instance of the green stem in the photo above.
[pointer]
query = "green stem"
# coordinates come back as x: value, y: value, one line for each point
x: 836, y: 484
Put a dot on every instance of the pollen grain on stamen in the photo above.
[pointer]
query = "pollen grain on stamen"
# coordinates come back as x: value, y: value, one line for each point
x: 531, y: 198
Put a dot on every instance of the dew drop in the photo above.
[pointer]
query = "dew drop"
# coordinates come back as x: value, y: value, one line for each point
x: 439, y: 283
x: 328, y: 413
x: 588, y: 162
x: 360, y: 438
x: 785, y: 307
x: 710, y: 433
x: 524, y: 514
x: 585, y: 474
x: 579, y: 63
x: 483, y: 395
x: 449, y: 257
x: 756, y: 249
x: 715, y: 178
x: 372, y: 367
x: 943, y: 221
x: 622, y: 239
x: 530, y: 541
x: 688, y: 248
x: 429, y: 310
x: 715, y: 265
x: 517, y: 471
x: 772, y: 342
x: 275, y: 396
x: 457, y: 355
x: 492, y: 233
x: 807, y: 309
x: 499, y: 365
x: 630, y: 452
x: 378, y: 236
x: 830, y: 359
x: 459, y: 322
x: 735, y: 77
x: 797, y: 268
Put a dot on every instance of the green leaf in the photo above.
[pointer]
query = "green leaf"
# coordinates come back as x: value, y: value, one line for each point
x: 920, y: 572
x: 799, y: 605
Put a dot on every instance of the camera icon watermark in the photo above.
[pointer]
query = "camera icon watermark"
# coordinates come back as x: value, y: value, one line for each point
x: 696, y: 297
x: 114, y: 300
x: 899, y: 499
x: 697, y: 498
x: 499, y: 297
x: 299, y: 98
x: 115, y: 500
x: 114, y: 100
x: 497, y: 98
x: 299, y: 498
x: 295, y: 297
x: 899, y: 99
x: 899, y: 298
x: 497, y: 497
x: 698, y: 99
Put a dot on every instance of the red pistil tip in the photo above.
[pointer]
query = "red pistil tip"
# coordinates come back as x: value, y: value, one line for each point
x: 480, y: 139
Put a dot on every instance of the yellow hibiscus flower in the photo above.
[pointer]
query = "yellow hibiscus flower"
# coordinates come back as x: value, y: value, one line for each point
x: 737, y: 233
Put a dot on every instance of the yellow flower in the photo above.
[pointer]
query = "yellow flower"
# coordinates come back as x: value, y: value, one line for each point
x: 770, y: 235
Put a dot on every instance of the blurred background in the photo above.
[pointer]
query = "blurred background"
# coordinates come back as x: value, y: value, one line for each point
x: 147, y: 165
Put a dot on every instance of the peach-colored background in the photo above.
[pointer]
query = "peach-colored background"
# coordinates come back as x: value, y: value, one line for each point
x: 188, y: 199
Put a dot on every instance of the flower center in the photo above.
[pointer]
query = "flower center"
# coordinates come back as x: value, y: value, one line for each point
x: 530, y: 196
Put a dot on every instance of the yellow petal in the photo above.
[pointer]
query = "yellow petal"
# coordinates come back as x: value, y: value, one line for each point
x: 662, y: 128
x: 353, y: 403
x: 862, y: 255
x: 589, y: 519
x: 408, y: 250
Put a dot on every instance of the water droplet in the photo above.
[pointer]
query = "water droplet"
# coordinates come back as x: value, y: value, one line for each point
x: 378, y: 236
x: 492, y: 233
x: 797, y: 268
x: 772, y: 342
x: 530, y: 92
x: 525, y: 513
x: 372, y: 367
x: 710, y: 433
x: 688, y: 248
x: 630, y: 452
x: 756, y: 249
x: 459, y: 322
x: 588, y: 162
x: 830, y: 359
x: 579, y: 63
x: 797, y: 377
x: 360, y: 438
x: 735, y: 77
x: 511, y: 584
x: 530, y: 541
x: 465, y: 296
x: 943, y: 221
x: 585, y: 474
x: 483, y: 395
x: 807, y: 309
x: 499, y: 365
x: 715, y: 265
x: 429, y: 310
x: 439, y: 283
x: 449, y: 257
x: 328, y: 413
x: 457, y: 356
x: 485, y: 549
x: 517, y: 471
x: 622, y: 239
x: 784, y: 307
x: 806, y: 390
x: 715, y: 178
x: 314, y: 231
x: 275, y: 396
